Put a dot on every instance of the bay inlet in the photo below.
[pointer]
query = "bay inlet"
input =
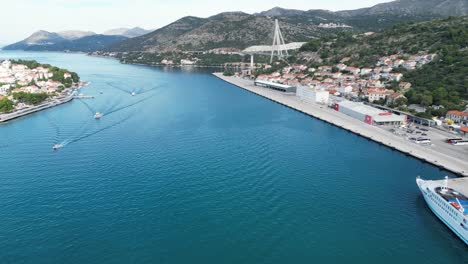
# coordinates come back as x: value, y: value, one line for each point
x: 194, y: 170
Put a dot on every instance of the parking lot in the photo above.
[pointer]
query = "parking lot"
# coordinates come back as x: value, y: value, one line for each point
x: 438, y: 139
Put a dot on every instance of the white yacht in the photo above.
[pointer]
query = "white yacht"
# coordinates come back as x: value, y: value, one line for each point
x: 57, y: 146
x: 449, y: 202
x: 98, y: 115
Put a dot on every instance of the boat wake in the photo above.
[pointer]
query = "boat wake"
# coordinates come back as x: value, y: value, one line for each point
x: 65, y: 143
x: 54, y: 125
x: 92, y: 110
x: 119, y: 88
x: 128, y: 106
x: 84, y: 133
x: 133, y: 92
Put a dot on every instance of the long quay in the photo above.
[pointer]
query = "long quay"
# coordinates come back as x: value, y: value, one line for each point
x: 457, y: 164
x: 37, y: 108
x: 83, y: 97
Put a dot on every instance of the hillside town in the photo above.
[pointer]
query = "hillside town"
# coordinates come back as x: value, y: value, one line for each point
x: 24, y: 87
x: 346, y: 88
x: 371, y: 84
x: 19, y: 78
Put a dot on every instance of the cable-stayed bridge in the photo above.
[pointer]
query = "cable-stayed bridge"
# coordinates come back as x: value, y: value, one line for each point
x: 278, y: 49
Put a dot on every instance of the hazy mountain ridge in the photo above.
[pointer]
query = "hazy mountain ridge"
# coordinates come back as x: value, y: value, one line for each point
x: 75, y: 40
x: 230, y: 29
x: 75, y: 34
x: 43, y: 37
x: 415, y: 7
x: 239, y: 30
x: 84, y: 44
x: 127, y: 32
x: 47, y: 41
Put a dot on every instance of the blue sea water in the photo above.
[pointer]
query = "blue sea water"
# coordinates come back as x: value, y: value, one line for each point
x: 195, y: 170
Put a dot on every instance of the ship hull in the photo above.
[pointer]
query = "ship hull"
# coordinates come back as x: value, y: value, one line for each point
x: 452, y: 224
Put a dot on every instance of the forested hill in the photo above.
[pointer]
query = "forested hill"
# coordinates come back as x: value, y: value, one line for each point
x: 442, y: 82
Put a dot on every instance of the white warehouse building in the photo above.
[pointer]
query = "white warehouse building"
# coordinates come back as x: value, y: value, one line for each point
x: 369, y: 114
x: 313, y: 96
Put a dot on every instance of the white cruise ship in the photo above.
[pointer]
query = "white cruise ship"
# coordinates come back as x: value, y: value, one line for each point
x: 448, y: 200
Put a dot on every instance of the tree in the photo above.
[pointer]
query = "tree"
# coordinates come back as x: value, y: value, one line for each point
x: 426, y: 99
x: 6, y: 105
x: 440, y: 94
x: 401, y: 101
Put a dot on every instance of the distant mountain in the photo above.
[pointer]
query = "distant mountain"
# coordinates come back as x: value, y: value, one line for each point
x: 39, y: 38
x: 75, y: 34
x: 415, y: 7
x: 46, y: 41
x: 230, y: 29
x: 74, y: 40
x: 160, y: 37
x: 127, y: 32
x: 278, y: 11
x: 239, y: 30
x: 84, y: 44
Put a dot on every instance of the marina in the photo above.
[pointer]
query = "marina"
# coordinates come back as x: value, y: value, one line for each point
x: 445, y: 159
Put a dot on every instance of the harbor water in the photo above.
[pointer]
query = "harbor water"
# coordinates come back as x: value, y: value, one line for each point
x: 194, y: 170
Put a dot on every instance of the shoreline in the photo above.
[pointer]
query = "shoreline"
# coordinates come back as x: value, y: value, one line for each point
x: 4, y: 118
x: 166, y: 65
x: 354, y: 126
x: 182, y: 65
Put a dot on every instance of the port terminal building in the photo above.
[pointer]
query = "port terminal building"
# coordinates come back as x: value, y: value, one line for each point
x: 369, y: 114
x: 275, y: 86
x: 312, y: 95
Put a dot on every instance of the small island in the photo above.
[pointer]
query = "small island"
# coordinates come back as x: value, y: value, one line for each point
x: 28, y: 86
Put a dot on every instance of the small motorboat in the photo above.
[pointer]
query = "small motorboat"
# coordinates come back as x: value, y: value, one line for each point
x: 133, y: 93
x: 57, y: 146
x: 98, y: 115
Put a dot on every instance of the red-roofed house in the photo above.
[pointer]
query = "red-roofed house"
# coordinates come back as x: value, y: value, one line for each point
x: 458, y: 116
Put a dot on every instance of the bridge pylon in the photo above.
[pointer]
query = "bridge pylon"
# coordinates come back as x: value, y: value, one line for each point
x: 278, y: 42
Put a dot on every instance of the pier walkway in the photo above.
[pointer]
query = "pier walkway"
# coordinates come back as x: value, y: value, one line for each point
x: 456, y: 164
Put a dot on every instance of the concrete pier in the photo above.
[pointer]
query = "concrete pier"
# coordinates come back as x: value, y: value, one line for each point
x: 457, y: 164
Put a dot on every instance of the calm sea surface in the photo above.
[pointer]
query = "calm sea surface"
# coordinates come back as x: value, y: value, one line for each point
x: 195, y: 170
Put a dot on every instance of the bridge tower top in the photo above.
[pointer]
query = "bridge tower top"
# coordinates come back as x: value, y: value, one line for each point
x: 278, y: 42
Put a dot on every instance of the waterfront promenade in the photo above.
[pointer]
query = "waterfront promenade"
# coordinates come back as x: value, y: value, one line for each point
x: 443, y: 159
x: 37, y: 108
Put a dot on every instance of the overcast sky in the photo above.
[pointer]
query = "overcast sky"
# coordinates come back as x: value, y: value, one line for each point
x: 20, y: 18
